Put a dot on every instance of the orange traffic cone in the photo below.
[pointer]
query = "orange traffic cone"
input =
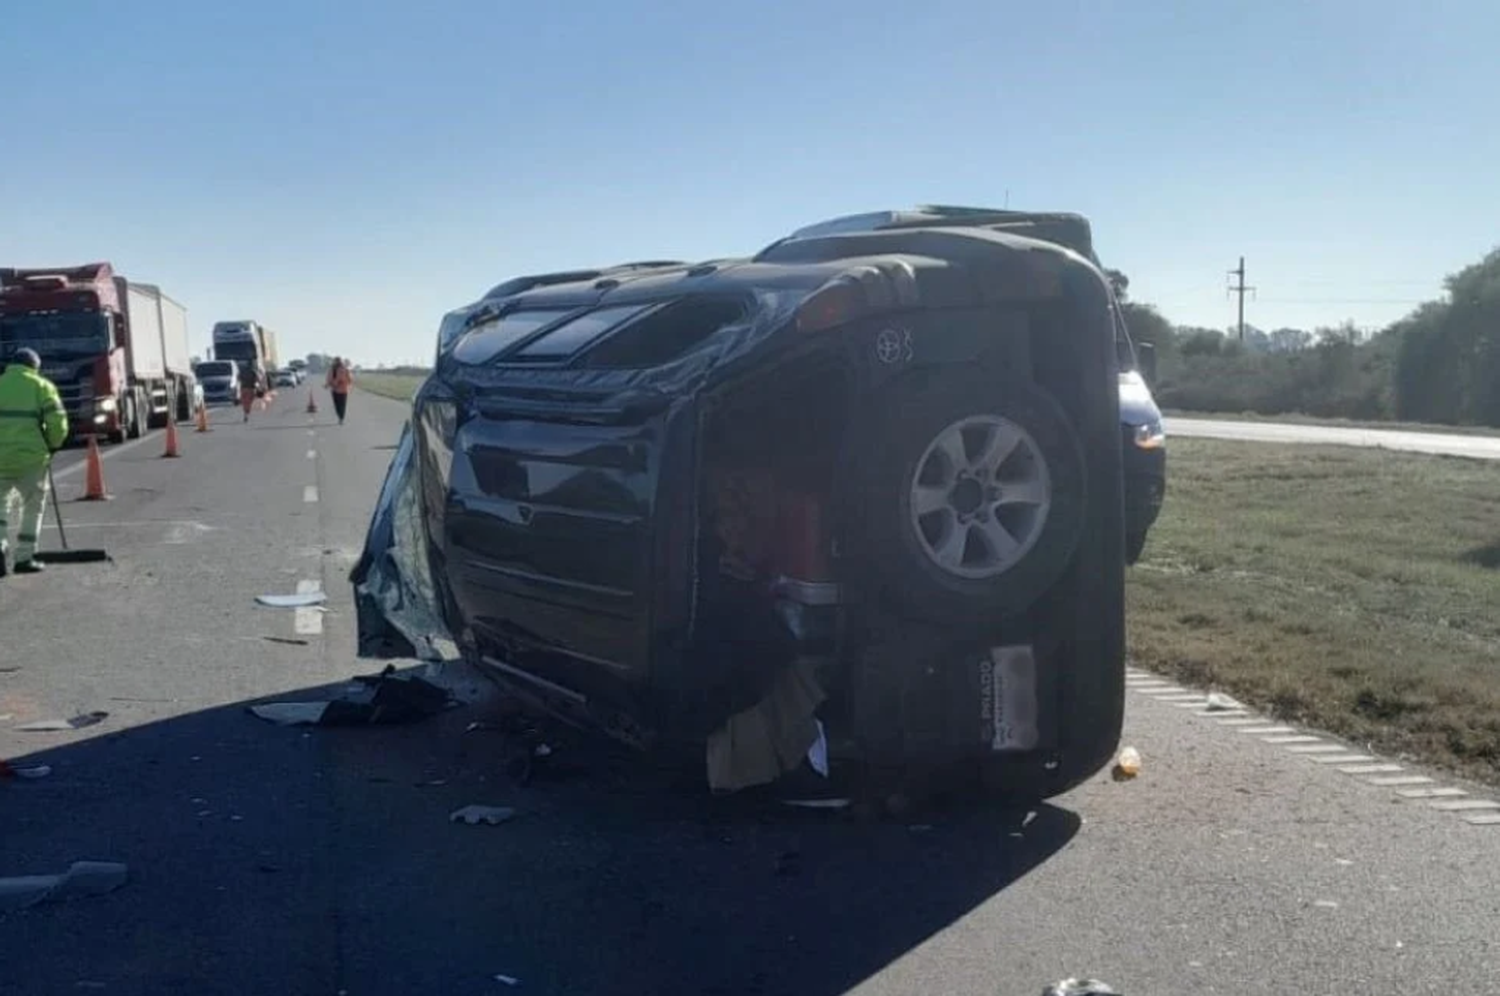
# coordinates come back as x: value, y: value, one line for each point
x: 203, y: 418
x: 312, y: 403
x: 171, y: 450
x: 94, y: 478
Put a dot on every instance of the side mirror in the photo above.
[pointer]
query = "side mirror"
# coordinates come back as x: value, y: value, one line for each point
x: 1145, y: 353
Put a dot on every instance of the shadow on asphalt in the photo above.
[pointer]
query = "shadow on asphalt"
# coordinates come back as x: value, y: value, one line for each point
x: 287, y: 859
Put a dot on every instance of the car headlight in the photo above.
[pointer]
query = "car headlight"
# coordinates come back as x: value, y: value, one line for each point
x: 1150, y: 435
x: 105, y: 404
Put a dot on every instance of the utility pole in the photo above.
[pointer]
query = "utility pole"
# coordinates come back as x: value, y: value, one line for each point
x: 1240, y: 289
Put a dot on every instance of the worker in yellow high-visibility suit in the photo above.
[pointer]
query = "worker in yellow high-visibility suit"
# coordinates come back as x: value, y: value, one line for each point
x: 32, y: 425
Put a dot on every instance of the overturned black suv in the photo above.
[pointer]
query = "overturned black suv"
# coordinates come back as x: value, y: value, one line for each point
x: 856, y: 498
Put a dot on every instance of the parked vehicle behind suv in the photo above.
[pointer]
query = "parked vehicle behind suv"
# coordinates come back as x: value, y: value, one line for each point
x: 859, y: 494
x: 220, y: 380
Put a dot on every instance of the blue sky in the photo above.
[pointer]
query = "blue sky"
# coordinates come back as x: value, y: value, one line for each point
x: 345, y: 172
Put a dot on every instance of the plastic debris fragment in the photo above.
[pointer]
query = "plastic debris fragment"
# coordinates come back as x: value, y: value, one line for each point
x: 84, y: 878
x: 475, y: 815
x: 1080, y: 987
x: 1128, y: 765
x: 298, y: 601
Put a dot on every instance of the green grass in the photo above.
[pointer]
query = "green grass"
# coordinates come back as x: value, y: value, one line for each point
x: 1339, y: 423
x: 1352, y: 590
x: 389, y: 385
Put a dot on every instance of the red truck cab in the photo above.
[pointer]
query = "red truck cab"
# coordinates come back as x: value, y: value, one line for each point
x: 76, y: 320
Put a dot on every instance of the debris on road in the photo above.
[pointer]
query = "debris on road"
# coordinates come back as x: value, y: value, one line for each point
x: 1219, y: 702
x: 290, y: 640
x: 475, y: 815
x: 84, y: 878
x: 1128, y: 765
x: 378, y: 700
x: 60, y: 725
x: 509, y: 980
x: 1080, y: 987
x: 760, y: 744
x: 298, y: 601
x: 291, y: 713
x: 835, y: 803
x: 32, y: 771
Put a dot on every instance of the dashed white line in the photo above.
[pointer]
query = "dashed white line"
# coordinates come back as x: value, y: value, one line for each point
x: 312, y: 454
x: 1463, y: 805
x: 1440, y: 792
x: 308, y: 619
x: 1378, y: 774
x: 310, y: 493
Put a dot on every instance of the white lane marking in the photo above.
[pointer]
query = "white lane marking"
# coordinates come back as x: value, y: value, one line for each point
x: 1483, y: 819
x: 1370, y: 769
x: 104, y: 454
x: 1259, y: 730
x: 312, y: 432
x: 1463, y: 805
x: 1296, y: 738
x: 308, y: 619
x: 1392, y: 781
x: 190, y: 523
x: 1343, y: 758
x: 310, y: 493
x: 1440, y: 792
x: 1318, y: 748
x: 312, y: 454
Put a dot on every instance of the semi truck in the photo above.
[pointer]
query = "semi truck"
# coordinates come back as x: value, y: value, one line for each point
x: 116, y: 349
x: 248, y: 343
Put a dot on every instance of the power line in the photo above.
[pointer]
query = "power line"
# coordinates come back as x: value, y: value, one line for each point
x: 1240, y: 289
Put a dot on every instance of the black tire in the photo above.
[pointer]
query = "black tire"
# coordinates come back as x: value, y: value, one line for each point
x: 130, y: 427
x: 918, y: 409
x: 1135, y: 545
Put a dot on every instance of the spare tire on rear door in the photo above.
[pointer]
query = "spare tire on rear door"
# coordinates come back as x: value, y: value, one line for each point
x: 977, y: 494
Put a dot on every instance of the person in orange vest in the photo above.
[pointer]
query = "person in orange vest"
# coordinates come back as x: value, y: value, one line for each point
x: 250, y: 388
x: 339, y: 381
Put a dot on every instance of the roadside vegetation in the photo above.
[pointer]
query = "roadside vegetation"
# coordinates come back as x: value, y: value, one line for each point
x: 1339, y: 423
x: 1352, y: 590
x: 398, y: 384
x: 1439, y: 365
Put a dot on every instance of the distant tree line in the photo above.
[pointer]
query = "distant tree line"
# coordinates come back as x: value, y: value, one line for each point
x: 1441, y: 363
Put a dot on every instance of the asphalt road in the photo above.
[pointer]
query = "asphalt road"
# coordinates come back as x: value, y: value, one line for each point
x: 1439, y: 443
x: 266, y: 859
